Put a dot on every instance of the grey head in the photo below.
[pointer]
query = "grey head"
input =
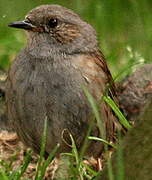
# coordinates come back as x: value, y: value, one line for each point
x: 53, y: 28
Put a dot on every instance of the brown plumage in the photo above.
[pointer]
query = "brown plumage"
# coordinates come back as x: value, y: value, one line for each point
x: 46, y: 79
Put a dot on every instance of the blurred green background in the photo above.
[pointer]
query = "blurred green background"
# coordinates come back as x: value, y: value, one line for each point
x: 124, y: 29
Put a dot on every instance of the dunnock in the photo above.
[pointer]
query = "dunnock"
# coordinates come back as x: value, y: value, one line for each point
x: 46, y: 79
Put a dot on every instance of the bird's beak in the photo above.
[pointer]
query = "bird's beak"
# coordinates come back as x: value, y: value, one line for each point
x: 22, y: 25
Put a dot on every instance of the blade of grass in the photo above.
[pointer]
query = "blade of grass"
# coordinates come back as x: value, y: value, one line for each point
x: 76, y: 154
x: 48, y: 161
x: 92, y: 172
x: 75, y: 151
x: 86, y: 175
x: 96, y: 113
x: 86, y: 142
x: 67, y: 154
x: 117, y: 111
x: 124, y: 70
x: 102, y: 140
x: 26, y: 161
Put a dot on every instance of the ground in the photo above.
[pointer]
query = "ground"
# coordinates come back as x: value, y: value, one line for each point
x: 12, y: 153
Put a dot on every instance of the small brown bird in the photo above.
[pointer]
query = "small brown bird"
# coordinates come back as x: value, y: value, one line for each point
x: 46, y: 79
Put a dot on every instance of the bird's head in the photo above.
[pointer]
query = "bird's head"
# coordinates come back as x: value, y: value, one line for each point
x: 54, y: 27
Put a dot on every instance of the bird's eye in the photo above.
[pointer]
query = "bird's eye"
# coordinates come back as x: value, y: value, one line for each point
x: 53, y: 23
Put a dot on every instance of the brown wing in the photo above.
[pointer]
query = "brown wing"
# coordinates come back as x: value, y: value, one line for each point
x: 100, y: 61
x: 94, y: 69
x: 110, y: 119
